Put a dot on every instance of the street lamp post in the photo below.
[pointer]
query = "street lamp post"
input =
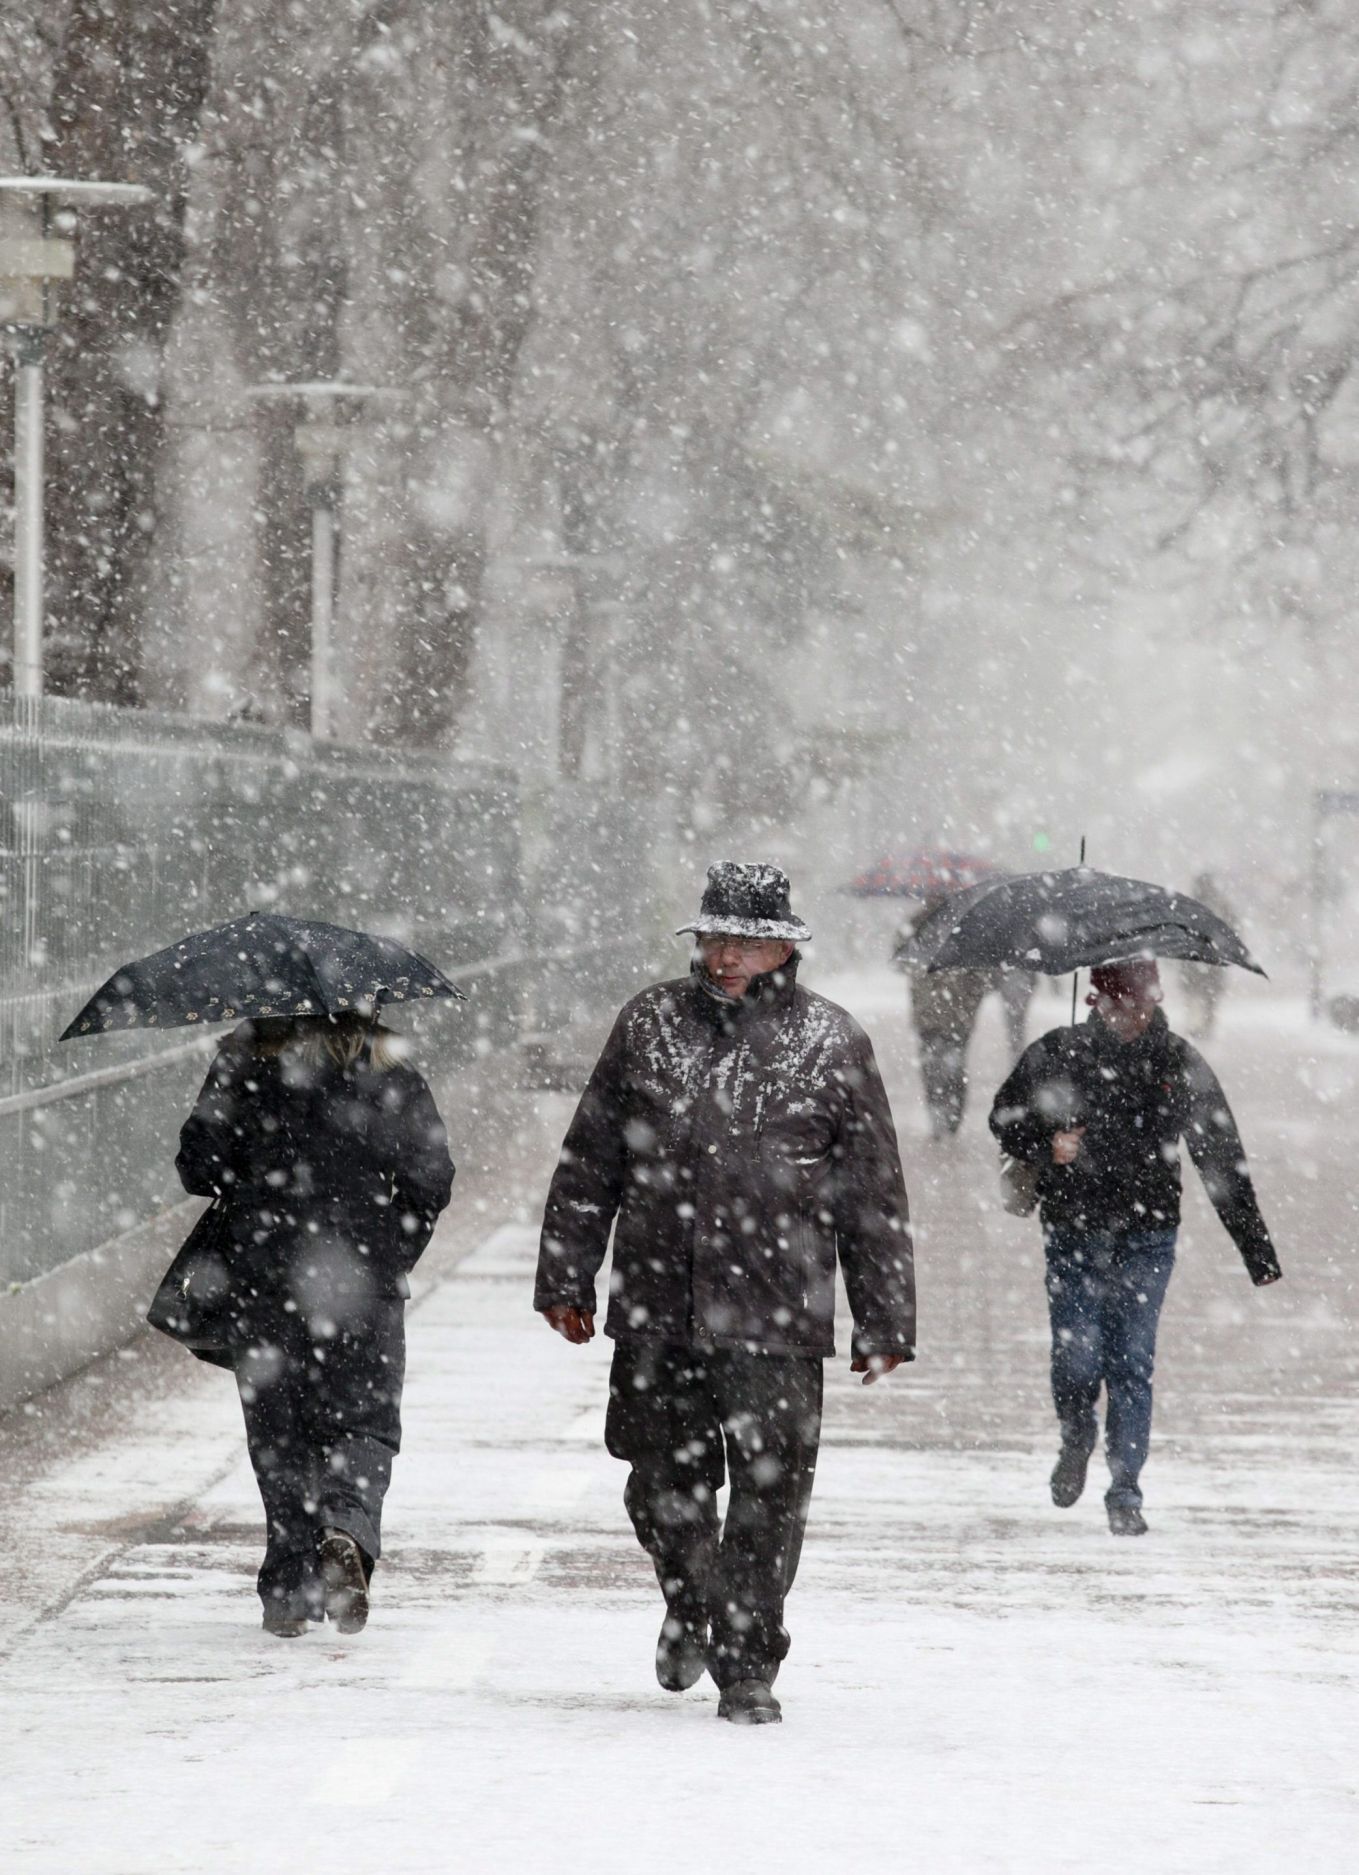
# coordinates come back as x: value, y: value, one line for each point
x: 37, y: 220
x: 320, y: 436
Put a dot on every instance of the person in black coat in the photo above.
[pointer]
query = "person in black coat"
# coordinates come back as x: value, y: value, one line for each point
x: 736, y: 1142
x: 331, y: 1163
x: 1097, y: 1113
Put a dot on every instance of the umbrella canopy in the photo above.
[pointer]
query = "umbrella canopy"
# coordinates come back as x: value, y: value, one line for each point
x: 1071, y: 920
x: 262, y: 965
x: 933, y: 872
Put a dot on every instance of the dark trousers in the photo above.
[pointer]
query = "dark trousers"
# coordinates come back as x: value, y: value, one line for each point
x: 682, y: 1419
x: 943, y: 1069
x: 1104, y: 1298
x: 322, y: 1424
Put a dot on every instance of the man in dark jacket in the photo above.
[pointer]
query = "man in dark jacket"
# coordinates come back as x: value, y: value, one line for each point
x: 737, y: 1130
x: 1098, y: 1112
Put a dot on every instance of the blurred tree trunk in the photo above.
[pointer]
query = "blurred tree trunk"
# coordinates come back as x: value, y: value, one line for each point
x: 475, y: 94
x: 279, y: 267
x: 127, y: 98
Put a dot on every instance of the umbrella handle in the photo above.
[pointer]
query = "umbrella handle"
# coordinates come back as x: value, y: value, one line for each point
x: 1075, y: 974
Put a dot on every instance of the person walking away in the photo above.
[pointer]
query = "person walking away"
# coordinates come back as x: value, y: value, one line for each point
x: 736, y: 1136
x: 1016, y: 993
x: 944, y: 1006
x: 1098, y: 1110
x: 1205, y: 984
x: 330, y: 1159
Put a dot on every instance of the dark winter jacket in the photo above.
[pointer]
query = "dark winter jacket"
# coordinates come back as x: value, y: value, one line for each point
x: 740, y: 1146
x: 1136, y: 1100
x: 324, y: 1171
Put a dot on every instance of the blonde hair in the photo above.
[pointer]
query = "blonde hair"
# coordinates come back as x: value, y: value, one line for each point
x: 340, y: 1039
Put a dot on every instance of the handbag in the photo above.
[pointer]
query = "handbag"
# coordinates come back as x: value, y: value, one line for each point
x: 193, y: 1303
x: 1018, y: 1186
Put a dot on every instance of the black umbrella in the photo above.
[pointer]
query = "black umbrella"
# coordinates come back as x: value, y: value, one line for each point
x: 1070, y: 920
x: 262, y: 965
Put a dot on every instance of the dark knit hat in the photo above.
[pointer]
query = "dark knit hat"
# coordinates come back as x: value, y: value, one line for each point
x: 747, y: 900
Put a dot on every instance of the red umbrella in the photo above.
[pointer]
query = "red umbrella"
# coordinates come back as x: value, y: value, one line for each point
x: 933, y: 872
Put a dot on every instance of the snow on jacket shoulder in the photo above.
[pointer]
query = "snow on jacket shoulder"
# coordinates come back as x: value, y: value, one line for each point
x: 738, y: 1147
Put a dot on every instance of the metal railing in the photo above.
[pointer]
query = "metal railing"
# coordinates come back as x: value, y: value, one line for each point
x: 121, y: 830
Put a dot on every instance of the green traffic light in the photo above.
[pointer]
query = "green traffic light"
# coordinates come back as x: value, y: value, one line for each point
x: 1041, y: 842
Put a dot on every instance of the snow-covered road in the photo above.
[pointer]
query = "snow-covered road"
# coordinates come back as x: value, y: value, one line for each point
x: 977, y: 1682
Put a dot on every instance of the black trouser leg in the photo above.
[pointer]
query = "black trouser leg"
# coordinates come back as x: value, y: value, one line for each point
x: 680, y: 1419
x: 273, y: 1393
x: 944, y: 1071
x: 323, y: 1424
x: 354, y: 1416
x: 771, y: 1417
x: 663, y: 1421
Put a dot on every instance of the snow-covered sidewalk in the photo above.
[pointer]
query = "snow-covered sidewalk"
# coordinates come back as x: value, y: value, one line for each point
x: 977, y: 1682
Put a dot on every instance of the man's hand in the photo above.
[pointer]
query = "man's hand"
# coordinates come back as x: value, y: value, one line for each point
x: 872, y: 1365
x: 1270, y: 1276
x: 576, y: 1325
x: 1066, y: 1145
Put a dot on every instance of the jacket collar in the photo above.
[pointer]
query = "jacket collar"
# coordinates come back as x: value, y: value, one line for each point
x: 772, y: 991
x: 1149, y: 1044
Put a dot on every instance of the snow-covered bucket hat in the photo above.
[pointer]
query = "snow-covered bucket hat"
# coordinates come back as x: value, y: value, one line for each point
x: 747, y: 900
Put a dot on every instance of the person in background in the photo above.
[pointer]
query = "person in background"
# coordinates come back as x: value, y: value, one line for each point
x: 1205, y: 984
x: 735, y: 1137
x: 944, y: 1007
x: 1098, y: 1112
x: 331, y: 1162
x: 1016, y: 993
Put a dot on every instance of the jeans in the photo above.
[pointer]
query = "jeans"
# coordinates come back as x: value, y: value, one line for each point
x: 1105, y: 1290
x: 681, y: 1418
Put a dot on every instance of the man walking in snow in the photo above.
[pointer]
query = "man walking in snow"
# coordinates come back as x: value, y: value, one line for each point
x: 736, y: 1129
x: 1098, y: 1112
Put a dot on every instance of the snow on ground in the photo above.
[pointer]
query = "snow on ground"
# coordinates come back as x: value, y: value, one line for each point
x: 977, y: 1682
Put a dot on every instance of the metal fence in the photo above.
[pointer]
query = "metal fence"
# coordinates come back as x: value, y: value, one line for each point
x: 119, y: 831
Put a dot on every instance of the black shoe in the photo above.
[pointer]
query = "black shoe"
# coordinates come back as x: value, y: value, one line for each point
x: 1126, y: 1520
x: 345, y: 1581
x: 1068, y: 1476
x: 681, y: 1653
x: 287, y: 1627
x: 749, y: 1702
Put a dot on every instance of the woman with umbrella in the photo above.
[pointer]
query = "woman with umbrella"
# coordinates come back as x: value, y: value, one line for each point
x: 1093, y: 1116
x: 328, y: 1164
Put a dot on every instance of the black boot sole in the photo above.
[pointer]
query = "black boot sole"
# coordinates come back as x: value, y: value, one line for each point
x: 746, y: 1715
x: 345, y: 1584
x: 737, y: 1712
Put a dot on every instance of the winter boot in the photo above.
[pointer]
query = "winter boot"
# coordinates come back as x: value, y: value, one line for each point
x: 345, y: 1581
x: 1068, y: 1476
x: 681, y: 1651
x: 749, y: 1702
x: 1126, y: 1520
x: 285, y: 1625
